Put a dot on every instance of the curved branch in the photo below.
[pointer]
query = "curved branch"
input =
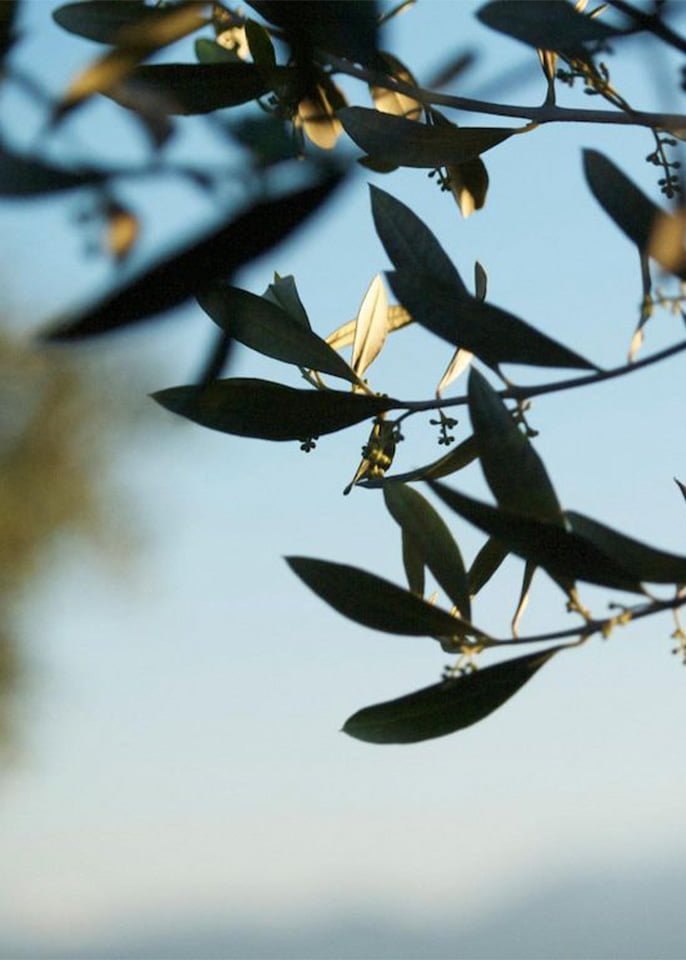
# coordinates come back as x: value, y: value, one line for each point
x: 538, y: 390
x: 547, y: 113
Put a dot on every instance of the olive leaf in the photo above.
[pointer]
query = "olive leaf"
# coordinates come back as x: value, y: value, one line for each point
x: 513, y: 470
x: 375, y: 602
x: 197, y: 265
x: 371, y: 326
x: 565, y: 555
x: 431, y: 539
x: 407, y: 143
x: 409, y: 243
x: 492, y: 334
x: 486, y: 562
x: 270, y: 411
x: 284, y: 293
x: 457, y: 459
x: 448, y: 706
x: 546, y: 24
x: 265, y: 327
x: 102, y: 20
x: 22, y: 176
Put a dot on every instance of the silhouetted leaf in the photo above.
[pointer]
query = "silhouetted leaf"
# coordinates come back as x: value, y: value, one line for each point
x: 24, y: 177
x: 480, y: 282
x: 546, y: 24
x: 135, y: 43
x: 492, y: 334
x: 388, y: 101
x: 564, y: 555
x: 633, y: 212
x: 346, y: 29
x: 406, y: 143
x: 260, y: 44
x: 485, y: 564
x: 645, y: 563
x: 195, y: 88
x: 284, y: 293
x: 270, y: 411
x: 681, y: 486
x: 375, y: 602
x: 432, y: 541
x: 8, y: 22
x: 448, y: 706
x: 101, y: 20
x: 408, y: 241
x: 413, y: 564
x: 513, y: 470
x: 265, y: 327
x: 197, y: 265
x: 523, y: 602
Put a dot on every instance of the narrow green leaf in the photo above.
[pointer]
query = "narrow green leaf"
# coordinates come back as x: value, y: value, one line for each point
x: 196, y: 88
x: 469, y: 185
x: 681, y: 486
x: 523, y: 602
x: 260, y: 44
x: 338, y: 26
x: 270, y: 411
x: 413, y: 564
x: 480, y: 282
x: 197, y: 264
x: 407, y: 143
x: 265, y: 327
x: 485, y: 564
x: 645, y: 563
x: 371, y: 327
x: 284, y: 293
x: 432, y: 540
x: 564, y: 555
x: 375, y: 602
x: 546, y: 24
x: 634, y: 213
x: 458, y: 458
x: 101, y: 20
x: 409, y: 243
x: 448, y: 706
x: 513, y: 470
x: 492, y: 334
x: 22, y: 176
x: 209, y: 51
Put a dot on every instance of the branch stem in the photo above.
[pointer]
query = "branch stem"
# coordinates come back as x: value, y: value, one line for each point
x: 546, y: 113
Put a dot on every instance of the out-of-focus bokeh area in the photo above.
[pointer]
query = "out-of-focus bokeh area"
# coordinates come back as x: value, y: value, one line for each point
x: 173, y: 780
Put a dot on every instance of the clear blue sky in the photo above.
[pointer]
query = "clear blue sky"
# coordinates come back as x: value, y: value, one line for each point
x: 183, y: 771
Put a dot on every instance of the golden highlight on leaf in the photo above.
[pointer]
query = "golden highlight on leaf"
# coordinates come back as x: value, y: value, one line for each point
x: 370, y: 326
x: 388, y: 101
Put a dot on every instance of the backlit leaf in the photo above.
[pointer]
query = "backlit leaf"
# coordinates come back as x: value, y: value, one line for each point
x: 209, y: 51
x: 370, y: 328
x: 396, y: 318
x: 197, y: 265
x: 432, y: 541
x: 375, y: 602
x: 265, y: 327
x: 546, y: 24
x: 469, y: 185
x: 523, y: 602
x: 406, y: 143
x: 513, y: 470
x: 388, y: 101
x: 448, y: 706
x: 458, y: 364
x: 270, y: 411
x: 492, y: 334
x: 564, y: 555
x: 317, y: 116
x: 458, y: 458
x: 633, y: 212
x: 408, y: 241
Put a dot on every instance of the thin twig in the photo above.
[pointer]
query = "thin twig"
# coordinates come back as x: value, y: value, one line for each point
x: 526, y: 393
x: 547, y: 113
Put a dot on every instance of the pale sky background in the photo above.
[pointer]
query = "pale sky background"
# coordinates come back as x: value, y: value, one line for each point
x: 181, y: 787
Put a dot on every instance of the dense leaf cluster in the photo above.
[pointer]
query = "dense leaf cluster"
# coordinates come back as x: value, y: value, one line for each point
x: 285, y: 56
